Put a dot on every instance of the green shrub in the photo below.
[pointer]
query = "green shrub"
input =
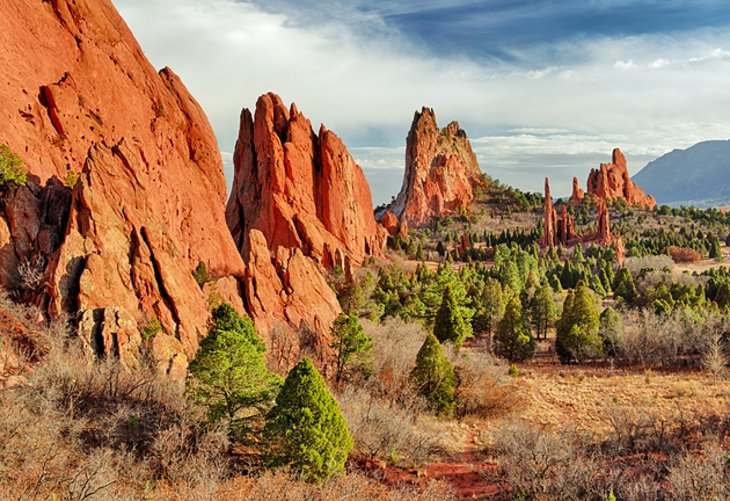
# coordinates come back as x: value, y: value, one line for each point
x: 11, y: 168
x: 306, y: 430
x: 229, y: 374
x: 513, y: 338
x: 71, y: 179
x: 434, y: 376
x: 201, y: 274
x: 353, y: 348
x: 450, y: 325
x: 150, y: 329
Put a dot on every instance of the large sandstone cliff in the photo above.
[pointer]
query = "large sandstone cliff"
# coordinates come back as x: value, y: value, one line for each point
x: 441, y: 171
x: 119, y: 249
x: 300, y: 189
x: 299, y: 205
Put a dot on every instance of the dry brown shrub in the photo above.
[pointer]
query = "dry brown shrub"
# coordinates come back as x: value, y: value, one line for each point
x: 395, y: 345
x: 351, y: 487
x: 684, y: 255
x: 701, y: 476
x: 483, y: 389
x: 541, y: 465
x: 383, y: 430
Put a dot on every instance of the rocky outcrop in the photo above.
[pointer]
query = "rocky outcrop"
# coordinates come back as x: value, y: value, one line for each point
x: 390, y: 223
x: 578, y: 194
x: 287, y: 292
x: 557, y: 230
x: 299, y: 205
x: 548, y: 219
x: 560, y: 230
x: 300, y: 189
x: 612, y: 182
x: 441, y: 171
x: 81, y: 103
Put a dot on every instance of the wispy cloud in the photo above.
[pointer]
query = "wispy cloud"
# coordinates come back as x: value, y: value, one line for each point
x: 538, y: 97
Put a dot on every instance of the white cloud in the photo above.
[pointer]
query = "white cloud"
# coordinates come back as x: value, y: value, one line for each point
x: 362, y: 77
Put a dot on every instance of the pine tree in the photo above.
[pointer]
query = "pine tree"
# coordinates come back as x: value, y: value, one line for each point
x: 449, y: 324
x: 434, y: 376
x: 610, y: 330
x: 306, y: 430
x: 577, y: 337
x: 352, y: 347
x: 513, y: 339
x: 715, y: 249
x: 623, y: 285
x: 492, y: 305
x: 229, y: 373
x: 543, y: 311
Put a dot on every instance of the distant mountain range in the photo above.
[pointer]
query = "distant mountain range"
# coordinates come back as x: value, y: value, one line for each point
x: 699, y: 176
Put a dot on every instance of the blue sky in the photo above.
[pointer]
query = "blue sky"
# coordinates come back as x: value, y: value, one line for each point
x: 543, y: 88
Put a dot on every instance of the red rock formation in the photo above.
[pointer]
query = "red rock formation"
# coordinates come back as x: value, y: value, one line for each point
x: 604, y: 222
x: 287, y: 290
x: 565, y: 232
x: 390, y: 222
x: 79, y: 96
x: 612, y: 181
x: 441, y: 171
x: 299, y: 189
x: 299, y: 201
x: 578, y: 194
x: 556, y: 230
x: 549, y: 217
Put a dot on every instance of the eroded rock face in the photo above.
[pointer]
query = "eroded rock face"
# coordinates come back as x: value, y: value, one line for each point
x: 299, y: 205
x: 149, y: 203
x: 441, y: 171
x: 557, y: 230
x: 300, y: 189
x: 612, y: 182
x: 290, y: 301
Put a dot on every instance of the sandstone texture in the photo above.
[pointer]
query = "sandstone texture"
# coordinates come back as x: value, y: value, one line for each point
x: 557, y: 229
x: 612, y: 182
x: 300, y: 189
x: 299, y: 206
x: 82, y: 106
x: 441, y: 173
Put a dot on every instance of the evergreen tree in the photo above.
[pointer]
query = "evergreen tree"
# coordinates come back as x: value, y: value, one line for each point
x: 611, y: 331
x: 577, y: 337
x: 715, y: 249
x: 727, y: 240
x: 306, y: 430
x: 434, y: 376
x: 513, y: 339
x: 449, y: 324
x: 623, y: 285
x: 419, y: 253
x: 229, y: 373
x: 352, y: 347
x: 543, y: 311
x: 491, y: 307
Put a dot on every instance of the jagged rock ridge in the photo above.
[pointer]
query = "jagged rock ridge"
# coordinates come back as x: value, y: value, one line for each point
x: 441, y: 173
x: 299, y: 204
x: 148, y: 206
x: 612, y: 182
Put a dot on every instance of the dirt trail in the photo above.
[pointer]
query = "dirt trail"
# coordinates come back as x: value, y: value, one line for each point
x: 471, y: 478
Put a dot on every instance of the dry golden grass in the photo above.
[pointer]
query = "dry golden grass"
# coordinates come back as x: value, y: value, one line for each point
x: 556, y: 397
